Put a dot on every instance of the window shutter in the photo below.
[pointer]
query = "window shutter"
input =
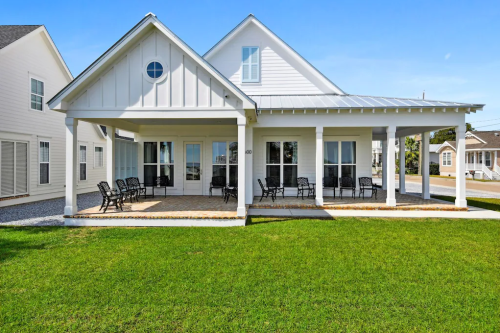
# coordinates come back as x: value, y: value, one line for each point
x: 21, y: 167
x: 7, y: 168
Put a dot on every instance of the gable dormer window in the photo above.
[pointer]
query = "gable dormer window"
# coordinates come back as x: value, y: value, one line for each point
x: 250, y: 65
x: 36, y: 95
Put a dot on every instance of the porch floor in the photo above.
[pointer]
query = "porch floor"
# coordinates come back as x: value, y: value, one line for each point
x: 170, y: 207
x: 403, y: 202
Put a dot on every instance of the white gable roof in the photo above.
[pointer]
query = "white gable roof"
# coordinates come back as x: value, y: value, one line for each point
x: 301, y: 64
x: 92, y: 81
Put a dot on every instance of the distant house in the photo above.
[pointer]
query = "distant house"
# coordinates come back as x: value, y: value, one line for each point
x: 481, y: 155
x: 32, y: 137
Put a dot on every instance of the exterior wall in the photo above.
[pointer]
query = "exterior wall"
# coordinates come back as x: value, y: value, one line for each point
x: 306, y: 138
x: 35, y: 57
x: 124, y: 83
x: 447, y: 170
x: 126, y: 159
x: 434, y: 158
x: 279, y: 72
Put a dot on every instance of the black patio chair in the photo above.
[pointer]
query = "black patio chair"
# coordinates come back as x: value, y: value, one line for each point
x: 109, y: 196
x: 331, y: 183
x: 164, y: 182
x: 134, y: 183
x: 230, y: 192
x: 304, y: 185
x: 274, y: 183
x: 347, y: 183
x: 125, y: 190
x: 218, y: 182
x: 266, y: 191
x: 366, y: 184
x: 150, y: 182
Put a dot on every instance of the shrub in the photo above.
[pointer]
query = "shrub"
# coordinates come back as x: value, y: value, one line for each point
x: 434, y: 169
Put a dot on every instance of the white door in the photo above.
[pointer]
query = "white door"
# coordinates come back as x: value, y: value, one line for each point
x: 193, y: 168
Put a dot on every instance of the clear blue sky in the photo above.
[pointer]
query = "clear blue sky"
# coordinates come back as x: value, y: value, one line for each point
x: 450, y: 49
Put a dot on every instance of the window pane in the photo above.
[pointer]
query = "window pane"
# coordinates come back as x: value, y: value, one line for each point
x: 254, y: 57
x: 233, y: 175
x: 349, y: 152
x: 39, y: 88
x: 33, y: 86
x: 349, y: 171
x: 44, y: 173
x: 290, y: 152
x: 151, y: 66
x: 83, y: 154
x: 273, y: 171
x: 219, y: 170
x: 44, y: 152
x: 246, y: 55
x: 290, y: 176
x: 331, y: 153
x: 83, y: 171
x: 254, y: 72
x: 272, y: 152
x: 166, y: 152
x: 150, y: 153
x: 331, y: 171
x: 219, y: 153
x: 233, y: 153
x: 168, y: 170
x: 150, y: 175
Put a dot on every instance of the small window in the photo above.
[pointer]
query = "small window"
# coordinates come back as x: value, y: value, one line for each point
x: 446, y: 158
x: 44, y: 162
x: 37, y: 95
x: 98, y: 157
x: 83, y: 162
x: 487, y: 159
x: 250, y: 65
x: 154, y: 70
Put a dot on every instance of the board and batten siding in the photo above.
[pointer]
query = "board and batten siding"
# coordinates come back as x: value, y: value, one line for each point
x: 306, y: 138
x: 125, y: 84
x: 34, y: 57
x: 279, y: 72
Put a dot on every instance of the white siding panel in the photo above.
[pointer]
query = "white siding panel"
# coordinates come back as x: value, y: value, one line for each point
x: 108, y: 89
x: 122, y: 85
x: 203, y: 89
x: 95, y: 95
x: 135, y: 70
x: 176, y: 61
x: 82, y: 101
x: 163, y: 88
x: 189, y: 82
x: 217, y: 94
x: 148, y: 47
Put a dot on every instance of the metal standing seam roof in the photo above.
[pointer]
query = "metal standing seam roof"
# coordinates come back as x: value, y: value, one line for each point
x: 332, y: 101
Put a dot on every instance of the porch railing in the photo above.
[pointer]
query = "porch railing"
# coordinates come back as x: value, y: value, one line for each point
x: 470, y: 166
x: 486, y: 171
x: 497, y: 169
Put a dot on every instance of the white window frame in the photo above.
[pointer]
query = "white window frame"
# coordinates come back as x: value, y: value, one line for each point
x: 250, y: 79
x: 95, y: 159
x: 446, y: 158
x: 40, y: 162
x: 158, y: 159
x: 339, y: 157
x: 228, y: 164
x: 281, y: 140
x: 80, y: 162
x: 37, y: 78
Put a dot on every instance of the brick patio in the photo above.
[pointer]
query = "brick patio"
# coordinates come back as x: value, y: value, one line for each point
x: 403, y: 202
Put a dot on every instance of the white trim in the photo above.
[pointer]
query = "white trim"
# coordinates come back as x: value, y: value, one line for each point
x: 250, y: 80
x: 80, y: 162
x: 469, y: 134
x: 227, y: 164
x: 281, y: 164
x: 162, y: 77
x: 445, y: 144
x: 32, y: 76
x: 447, y: 159
x: 39, y: 162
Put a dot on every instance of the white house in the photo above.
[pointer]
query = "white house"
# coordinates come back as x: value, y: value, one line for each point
x: 32, y: 137
x: 250, y: 97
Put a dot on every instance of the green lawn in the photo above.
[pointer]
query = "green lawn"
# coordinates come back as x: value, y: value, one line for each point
x: 486, y: 203
x: 346, y: 275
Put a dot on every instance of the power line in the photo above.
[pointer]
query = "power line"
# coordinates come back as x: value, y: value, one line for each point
x: 487, y: 125
x: 482, y: 121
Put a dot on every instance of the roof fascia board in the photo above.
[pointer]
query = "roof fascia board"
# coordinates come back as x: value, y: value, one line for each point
x: 250, y: 104
x: 313, y: 70
x: 445, y: 144
x: 56, y: 51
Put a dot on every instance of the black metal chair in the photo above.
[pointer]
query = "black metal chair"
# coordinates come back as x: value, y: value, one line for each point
x: 164, y: 182
x: 109, y: 196
x: 347, y: 183
x: 331, y: 183
x: 150, y: 182
x: 366, y: 184
x: 266, y: 191
x: 304, y: 185
x: 218, y: 182
x: 274, y: 183
x: 230, y: 192
x: 125, y: 190
x: 134, y: 183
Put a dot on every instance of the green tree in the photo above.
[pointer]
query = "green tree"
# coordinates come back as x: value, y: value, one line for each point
x: 447, y: 134
x: 412, y: 153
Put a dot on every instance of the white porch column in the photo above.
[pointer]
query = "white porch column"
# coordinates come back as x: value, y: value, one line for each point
x: 249, y: 165
x: 425, y: 165
x: 402, y: 161
x: 384, y: 165
x: 71, y: 206
x: 319, y: 166
x: 390, y: 166
x: 475, y: 159
x: 241, y: 210
x: 110, y: 156
x: 460, y: 200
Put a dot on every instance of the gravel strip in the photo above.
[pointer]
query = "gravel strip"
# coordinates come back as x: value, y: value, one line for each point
x: 46, y: 212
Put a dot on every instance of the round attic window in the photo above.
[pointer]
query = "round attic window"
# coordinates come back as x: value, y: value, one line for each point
x: 154, y: 70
